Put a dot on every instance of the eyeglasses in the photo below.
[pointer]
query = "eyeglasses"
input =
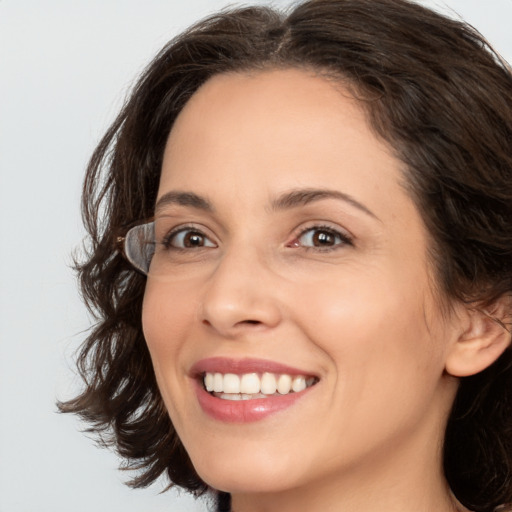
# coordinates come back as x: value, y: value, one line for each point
x: 146, y: 246
x: 138, y: 246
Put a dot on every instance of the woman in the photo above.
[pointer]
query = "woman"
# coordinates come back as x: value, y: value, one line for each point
x: 300, y: 257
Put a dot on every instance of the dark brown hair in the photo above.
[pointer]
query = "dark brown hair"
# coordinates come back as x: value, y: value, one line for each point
x: 441, y: 98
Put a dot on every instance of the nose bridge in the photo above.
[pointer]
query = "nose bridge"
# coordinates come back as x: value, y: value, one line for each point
x: 240, y: 292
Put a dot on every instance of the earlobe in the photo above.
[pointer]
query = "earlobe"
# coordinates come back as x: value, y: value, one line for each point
x: 481, y: 342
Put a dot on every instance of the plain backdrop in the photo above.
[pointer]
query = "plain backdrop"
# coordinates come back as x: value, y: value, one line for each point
x: 65, y: 67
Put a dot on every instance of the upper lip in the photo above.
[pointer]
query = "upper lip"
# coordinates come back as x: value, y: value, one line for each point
x: 242, y: 366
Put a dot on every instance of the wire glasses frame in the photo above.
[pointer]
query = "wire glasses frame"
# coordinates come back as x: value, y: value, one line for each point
x: 138, y: 245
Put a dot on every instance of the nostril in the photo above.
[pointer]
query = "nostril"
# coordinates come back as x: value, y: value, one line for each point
x: 250, y: 322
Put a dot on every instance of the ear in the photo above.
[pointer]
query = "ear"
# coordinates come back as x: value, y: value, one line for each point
x: 482, y: 339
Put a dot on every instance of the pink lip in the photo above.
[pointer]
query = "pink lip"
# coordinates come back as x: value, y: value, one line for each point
x: 243, y: 411
x: 241, y: 366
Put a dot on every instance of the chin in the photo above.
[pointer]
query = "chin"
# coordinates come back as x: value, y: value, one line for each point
x: 248, y: 471
x: 245, y: 481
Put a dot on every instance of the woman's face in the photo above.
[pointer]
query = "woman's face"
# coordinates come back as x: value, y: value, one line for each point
x: 291, y: 248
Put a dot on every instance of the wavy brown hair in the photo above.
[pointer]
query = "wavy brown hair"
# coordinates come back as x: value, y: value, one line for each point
x: 438, y: 95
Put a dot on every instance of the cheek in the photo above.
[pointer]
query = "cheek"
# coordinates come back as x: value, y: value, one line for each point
x: 166, y: 314
x: 370, y: 331
x: 386, y: 364
x: 166, y: 318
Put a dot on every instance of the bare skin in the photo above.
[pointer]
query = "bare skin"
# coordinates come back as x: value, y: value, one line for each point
x: 339, y: 285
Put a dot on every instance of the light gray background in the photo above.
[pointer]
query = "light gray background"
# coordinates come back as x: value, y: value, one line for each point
x: 65, y: 67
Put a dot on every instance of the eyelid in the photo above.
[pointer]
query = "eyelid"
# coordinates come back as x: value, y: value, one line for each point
x: 180, y: 228
x: 170, y: 221
x: 346, y: 237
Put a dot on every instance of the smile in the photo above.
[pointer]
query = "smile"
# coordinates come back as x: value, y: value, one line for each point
x: 248, y: 390
x: 250, y: 386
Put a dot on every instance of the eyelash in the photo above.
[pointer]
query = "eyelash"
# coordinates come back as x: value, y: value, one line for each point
x: 170, y: 237
x: 343, y: 238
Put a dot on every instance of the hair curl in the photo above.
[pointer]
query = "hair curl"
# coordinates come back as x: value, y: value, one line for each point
x: 440, y: 97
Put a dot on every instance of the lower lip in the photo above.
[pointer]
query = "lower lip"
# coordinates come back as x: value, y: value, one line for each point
x: 245, y: 411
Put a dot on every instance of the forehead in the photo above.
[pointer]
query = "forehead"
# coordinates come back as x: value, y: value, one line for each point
x: 273, y: 108
x: 269, y: 131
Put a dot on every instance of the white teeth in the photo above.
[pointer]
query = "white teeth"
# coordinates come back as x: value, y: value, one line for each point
x: 284, y: 384
x: 231, y: 386
x: 298, y: 383
x: 231, y: 396
x: 231, y: 383
x: 218, y: 383
x: 250, y: 384
x: 268, y: 384
x: 208, y: 382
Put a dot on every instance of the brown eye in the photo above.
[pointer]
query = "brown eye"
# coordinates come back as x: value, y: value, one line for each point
x: 322, y: 238
x: 188, y: 239
x: 192, y: 239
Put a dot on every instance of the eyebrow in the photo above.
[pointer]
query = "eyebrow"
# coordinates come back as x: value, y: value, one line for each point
x: 184, y: 199
x: 293, y: 199
x: 302, y: 197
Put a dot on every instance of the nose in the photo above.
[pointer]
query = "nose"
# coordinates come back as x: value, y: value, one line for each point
x: 240, y: 295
